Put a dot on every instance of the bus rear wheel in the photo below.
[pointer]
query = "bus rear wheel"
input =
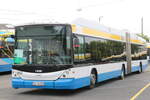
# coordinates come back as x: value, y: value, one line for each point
x: 140, y: 68
x: 122, y: 76
x: 92, y: 79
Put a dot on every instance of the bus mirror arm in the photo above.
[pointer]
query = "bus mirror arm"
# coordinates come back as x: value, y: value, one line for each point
x: 75, y: 40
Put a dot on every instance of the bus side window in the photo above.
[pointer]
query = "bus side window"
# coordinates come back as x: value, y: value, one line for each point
x: 138, y: 52
x: 78, y: 45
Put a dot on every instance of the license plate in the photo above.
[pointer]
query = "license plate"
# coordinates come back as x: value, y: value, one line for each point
x: 38, y: 83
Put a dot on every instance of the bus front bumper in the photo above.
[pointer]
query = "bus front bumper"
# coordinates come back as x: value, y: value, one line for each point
x: 69, y: 83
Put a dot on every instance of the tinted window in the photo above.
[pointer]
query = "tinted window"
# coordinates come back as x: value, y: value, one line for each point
x: 138, y: 52
x: 79, y: 50
x: 40, y: 30
x: 97, y: 50
x: 104, y: 51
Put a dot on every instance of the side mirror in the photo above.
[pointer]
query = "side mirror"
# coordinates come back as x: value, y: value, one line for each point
x: 76, y: 42
x: 12, y: 36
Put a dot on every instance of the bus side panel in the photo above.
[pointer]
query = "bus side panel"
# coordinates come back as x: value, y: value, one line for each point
x: 104, y: 71
x: 109, y: 71
x: 6, y: 64
x: 82, y: 76
x: 5, y: 68
x: 144, y: 64
x: 136, y: 65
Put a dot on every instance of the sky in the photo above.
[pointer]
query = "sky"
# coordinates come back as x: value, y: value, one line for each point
x: 118, y: 14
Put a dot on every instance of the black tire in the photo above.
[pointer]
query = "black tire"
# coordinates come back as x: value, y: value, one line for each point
x: 122, y: 76
x: 93, y: 79
x: 140, y: 68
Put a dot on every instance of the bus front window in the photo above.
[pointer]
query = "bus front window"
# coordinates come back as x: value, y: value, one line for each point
x: 41, y: 45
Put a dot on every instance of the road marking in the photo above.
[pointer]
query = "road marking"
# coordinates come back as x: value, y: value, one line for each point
x: 137, y: 94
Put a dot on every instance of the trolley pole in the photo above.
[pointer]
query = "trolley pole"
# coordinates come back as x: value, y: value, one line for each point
x: 100, y: 19
x: 128, y: 52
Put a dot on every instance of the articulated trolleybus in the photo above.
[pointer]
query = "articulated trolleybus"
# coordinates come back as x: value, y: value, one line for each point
x: 72, y: 56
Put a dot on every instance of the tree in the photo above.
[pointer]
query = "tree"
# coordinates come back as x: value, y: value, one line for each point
x: 145, y: 37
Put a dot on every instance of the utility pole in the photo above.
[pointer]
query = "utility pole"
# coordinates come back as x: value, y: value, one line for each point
x: 128, y: 52
x: 142, y: 26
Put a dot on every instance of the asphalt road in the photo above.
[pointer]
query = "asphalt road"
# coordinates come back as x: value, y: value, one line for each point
x: 114, y: 89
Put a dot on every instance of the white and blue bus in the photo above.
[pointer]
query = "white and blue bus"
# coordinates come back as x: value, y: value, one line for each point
x: 71, y: 56
x: 6, y: 51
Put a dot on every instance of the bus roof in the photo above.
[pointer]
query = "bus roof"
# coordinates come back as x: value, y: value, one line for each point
x: 95, y: 29
x: 91, y: 28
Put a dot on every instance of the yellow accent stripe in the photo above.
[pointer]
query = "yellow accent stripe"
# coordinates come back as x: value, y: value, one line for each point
x: 25, y: 40
x: 7, y: 34
x: 101, y: 34
x: 137, y: 94
x: 74, y: 28
x: 94, y: 32
x: 137, y: 41
x: 148, y: 46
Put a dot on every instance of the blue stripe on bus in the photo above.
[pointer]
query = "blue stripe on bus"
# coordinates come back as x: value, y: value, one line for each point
x: 70, y: 83
x: 108, y: 75
x: 145, y: 66
x: 58, y: 84
x: 8, y: 66
x: 136, y: 68
x: 73, y: 83
x: 4, y: 68
x: 116, y: 73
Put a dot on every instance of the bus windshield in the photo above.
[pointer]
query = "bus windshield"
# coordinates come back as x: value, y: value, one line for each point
x: 41, y: 45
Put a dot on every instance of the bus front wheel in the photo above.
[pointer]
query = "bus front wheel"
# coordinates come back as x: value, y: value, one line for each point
x: 92, y: 79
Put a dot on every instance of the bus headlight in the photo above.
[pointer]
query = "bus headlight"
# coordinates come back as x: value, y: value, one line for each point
x: 67, y: 74
x: 16, y: 74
